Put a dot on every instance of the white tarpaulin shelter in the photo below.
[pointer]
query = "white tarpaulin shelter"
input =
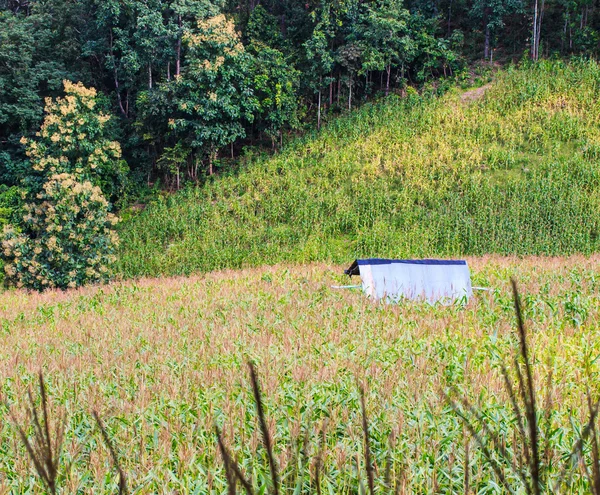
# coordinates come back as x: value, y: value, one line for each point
x: 430, y: 280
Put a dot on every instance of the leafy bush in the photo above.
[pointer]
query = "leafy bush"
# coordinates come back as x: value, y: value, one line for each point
x: 65, y: 237
x: 10, y: 201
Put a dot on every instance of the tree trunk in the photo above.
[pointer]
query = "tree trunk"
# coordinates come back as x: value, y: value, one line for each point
x: 196, y: 167
x: 319, y: 112
x: 168, y: 71
x: 331, y: 91
x: 350, y: 94
x: 538, y: 16
x: 570, y: 38
x: 534, y: 36
x: 153, y: 164
x: 449, y: 19
x: 387, y: 84
x: 212, y: 155
x: 587, y: 11
x: 118, y: 91
x: 486, y: 46
x: 178, y: 62
x: 562, y: 43
x: 116, y: 76
x: 539, y: 29
x: 190, y: 167
x: 149, y: 76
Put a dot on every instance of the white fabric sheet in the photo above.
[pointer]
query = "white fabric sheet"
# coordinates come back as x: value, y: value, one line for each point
x: 430, y: 280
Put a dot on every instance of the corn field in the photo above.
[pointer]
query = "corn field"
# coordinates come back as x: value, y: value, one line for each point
x: 164, y: 361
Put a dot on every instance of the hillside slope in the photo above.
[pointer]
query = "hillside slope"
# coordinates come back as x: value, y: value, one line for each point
x: 514, y: 171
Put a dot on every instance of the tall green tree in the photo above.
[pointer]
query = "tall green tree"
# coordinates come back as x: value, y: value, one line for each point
x: 29, y: 71
x: 491, y: 15
x: 274, y: 83
x: 386, y: 37
x: 213, y: 95
x: 320, y: 56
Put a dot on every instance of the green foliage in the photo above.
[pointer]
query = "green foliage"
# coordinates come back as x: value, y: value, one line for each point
x: 28, y: 69
x: 386, y: 36
x: 513, y: 173
x: 260, y: 71
x: 214, y: 97
x: 65, y: 237
x: 27, y: 64
x: 10, y: 203
x: 275, y: 83
x: 262, y: 27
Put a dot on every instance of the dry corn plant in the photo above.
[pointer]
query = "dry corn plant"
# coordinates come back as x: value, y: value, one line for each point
x: 233, y: 471
x: 527, y: 459
x: 44, y: 448
x: 530, y: 457
x: 113, y: 454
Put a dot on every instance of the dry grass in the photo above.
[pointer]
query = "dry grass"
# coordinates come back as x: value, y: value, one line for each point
x: 163, y: 360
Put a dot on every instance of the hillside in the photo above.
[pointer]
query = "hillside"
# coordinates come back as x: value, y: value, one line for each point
x: 512, y: 172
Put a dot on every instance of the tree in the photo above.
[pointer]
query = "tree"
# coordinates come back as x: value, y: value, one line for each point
x: 491, y: 14
x: 386, y: 37
x: 262, y: 27
x: 213, y: 96
x: 538, y: 16
x: 320, y: 57
x: 274, y: 85
x: 29, y: 70
x: 65, y: 237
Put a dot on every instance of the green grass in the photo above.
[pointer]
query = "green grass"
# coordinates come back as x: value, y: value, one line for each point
x: 514, y: 172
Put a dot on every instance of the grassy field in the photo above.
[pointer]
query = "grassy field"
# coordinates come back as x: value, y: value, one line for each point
x: 512, y: 172
x: 162, y: 360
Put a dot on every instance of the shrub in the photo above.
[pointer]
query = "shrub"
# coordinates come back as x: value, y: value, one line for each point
x: 65, y: 237
x: 75, y: 138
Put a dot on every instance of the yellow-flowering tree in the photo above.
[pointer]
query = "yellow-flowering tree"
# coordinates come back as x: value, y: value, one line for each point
x: 66, y: 237
x: 74, y: 138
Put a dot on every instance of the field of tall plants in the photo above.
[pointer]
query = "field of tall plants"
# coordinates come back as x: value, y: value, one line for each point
x: 163, y: 361
x: 512, y: 172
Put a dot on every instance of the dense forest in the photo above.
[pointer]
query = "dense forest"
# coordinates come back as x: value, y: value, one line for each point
x: 190, y: 83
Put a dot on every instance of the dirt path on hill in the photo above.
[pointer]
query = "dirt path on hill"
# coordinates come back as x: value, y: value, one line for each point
x: 474, y: 94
